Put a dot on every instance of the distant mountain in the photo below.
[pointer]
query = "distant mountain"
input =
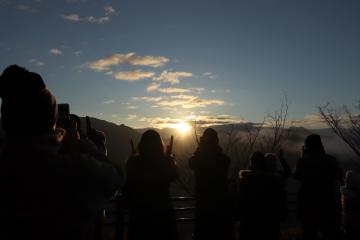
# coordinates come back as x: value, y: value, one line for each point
x: 118, y: 139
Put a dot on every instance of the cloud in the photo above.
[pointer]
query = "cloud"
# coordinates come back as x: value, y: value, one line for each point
x: 208, y: 120
x: 108, y: 12
x: 153, y: 87
x: 36, y: 62
x: 78, y: 53
x: 158, y: 122
x: 132, y: 117
x: 108, y: 102
x: 188, y: 101
x: 55, y: 51
x: 104, y: 64
x: 132, y: 76
x: 89, y: 19
x: 172, y: 77
x: 25, y: 8
x: 173, y: 90
x: 72, y: 18
x: 209, y: 75
x: 198, y: 90
x: 148, y: 99
x: 132, y: 107
x: 181, y: 101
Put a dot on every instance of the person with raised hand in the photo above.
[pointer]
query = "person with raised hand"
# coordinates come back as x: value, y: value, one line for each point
x: 149, y: 171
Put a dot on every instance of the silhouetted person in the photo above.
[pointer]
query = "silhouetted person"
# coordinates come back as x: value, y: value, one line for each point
x: 147, y: 190
x: 319, y: 206
x: 210, y: 166
x: 351, y: 205
x: 46, y: 193
x: 262, y: 198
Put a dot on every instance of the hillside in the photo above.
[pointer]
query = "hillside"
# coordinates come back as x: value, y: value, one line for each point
x: 118, y: 137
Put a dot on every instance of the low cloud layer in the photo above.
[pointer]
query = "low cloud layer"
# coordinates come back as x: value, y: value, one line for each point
x: 311, y: 121
x: 200, y: 120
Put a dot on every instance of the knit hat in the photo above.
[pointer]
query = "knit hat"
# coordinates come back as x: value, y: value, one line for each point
x: 28, y: 108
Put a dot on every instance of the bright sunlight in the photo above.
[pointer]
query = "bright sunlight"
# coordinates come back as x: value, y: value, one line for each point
x: 182, y: 127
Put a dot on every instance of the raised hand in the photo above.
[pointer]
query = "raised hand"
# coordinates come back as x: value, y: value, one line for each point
x: 97, y: 137
x: 169, y: 147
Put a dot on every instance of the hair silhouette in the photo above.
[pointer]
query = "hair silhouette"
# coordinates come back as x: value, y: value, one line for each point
x: 257, y: 161
x: 313, y: 144
x: 151, y: 145
x: 209, y: 137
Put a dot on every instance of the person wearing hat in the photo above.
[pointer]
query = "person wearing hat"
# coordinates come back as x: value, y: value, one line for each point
x: 319, y: 206
x: 46, y: 193
x: 210, y: 166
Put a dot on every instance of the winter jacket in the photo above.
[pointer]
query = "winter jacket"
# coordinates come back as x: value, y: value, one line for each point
x: 51, y: 193
x: 147, y: 192
x: 319, y: 195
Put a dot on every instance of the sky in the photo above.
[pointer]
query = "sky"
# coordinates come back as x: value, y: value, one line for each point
x: 156, y: 63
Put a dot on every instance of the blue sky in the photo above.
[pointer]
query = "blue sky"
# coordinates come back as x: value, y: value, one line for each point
x: 158, y: 62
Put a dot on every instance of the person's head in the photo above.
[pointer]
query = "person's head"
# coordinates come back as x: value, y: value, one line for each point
x: 271, y: 161
x: 151, y: 144
x: 257, y: 161
x: 313, y: 144
x: 209, y: 137
x: 28, y: 108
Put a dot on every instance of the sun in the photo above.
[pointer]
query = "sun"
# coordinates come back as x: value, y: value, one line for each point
x: 182, y: 127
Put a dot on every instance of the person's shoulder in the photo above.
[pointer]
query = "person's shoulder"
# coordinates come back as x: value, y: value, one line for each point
x: 333, y: 161
x: 223, y: 156
x: 132, y: 161
x: 330, y: 157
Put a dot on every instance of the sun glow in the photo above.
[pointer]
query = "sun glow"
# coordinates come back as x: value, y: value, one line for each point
x: 182, y: 127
